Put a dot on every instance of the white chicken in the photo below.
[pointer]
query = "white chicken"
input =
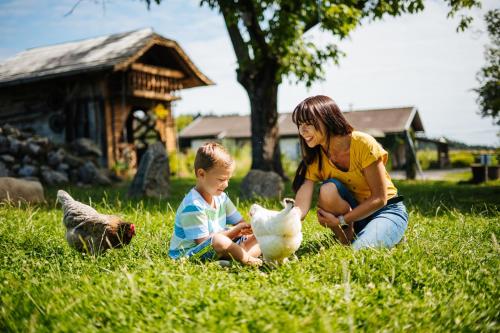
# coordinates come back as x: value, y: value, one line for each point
x: 89, y: 231
x: 279, y: 233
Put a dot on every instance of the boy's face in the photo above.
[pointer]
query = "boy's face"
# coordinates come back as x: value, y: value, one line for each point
x: 215, y: 180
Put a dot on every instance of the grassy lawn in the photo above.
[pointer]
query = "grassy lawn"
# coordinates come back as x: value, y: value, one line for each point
x: 444, y: 277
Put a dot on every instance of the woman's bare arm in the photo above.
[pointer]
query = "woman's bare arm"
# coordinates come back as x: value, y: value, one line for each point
x: 303, y: 198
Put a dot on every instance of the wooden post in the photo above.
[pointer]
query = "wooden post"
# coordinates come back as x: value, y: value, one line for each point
x: 412, y: 164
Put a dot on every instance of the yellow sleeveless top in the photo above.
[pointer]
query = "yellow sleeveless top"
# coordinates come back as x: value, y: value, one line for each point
x: 364, y: 151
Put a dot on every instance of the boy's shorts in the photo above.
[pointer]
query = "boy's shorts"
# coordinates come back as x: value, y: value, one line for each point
x: 205, y: 250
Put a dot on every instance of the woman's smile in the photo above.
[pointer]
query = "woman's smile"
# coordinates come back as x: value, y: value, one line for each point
x: 310, y: 140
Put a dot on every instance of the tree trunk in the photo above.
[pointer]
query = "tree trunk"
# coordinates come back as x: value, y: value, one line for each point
x: 262, y: 91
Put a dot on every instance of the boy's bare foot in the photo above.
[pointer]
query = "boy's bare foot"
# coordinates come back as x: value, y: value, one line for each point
x: 252, y: 261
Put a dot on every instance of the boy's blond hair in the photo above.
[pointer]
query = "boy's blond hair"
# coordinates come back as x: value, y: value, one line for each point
x: 212, y: 154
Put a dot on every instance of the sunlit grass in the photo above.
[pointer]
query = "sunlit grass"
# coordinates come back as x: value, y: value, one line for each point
x: 443, y: 277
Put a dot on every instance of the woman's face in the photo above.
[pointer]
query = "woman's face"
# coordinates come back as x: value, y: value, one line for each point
x: 311, y: 135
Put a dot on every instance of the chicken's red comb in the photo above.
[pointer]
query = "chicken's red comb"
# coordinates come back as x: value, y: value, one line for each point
x: 132, y: 228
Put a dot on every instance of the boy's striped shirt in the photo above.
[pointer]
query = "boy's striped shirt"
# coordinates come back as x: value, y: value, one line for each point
x: 195, y: 219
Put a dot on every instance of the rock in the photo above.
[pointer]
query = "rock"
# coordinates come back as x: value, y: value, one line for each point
x: 114, y: 177
x: 23, y: 148
x: 4, y: 144
x: 87, y: 172
x: 4, y: 172
x: 265, y: 184
x: 27, y: 160
x: 11, y: 130
x: 28, y: 171
x: 14, y: 145
x: 13, y: 189
x: 54, y: 158
x: 52, y: 177
x: 86, y: 147
x: 152, y: 177
x: 74, y: 175
x: 73, y: 160
x: 102, y: 178
x: 62, y: 167
x: 9, y: 159
x: 41, y: 141
x: 34, y: 149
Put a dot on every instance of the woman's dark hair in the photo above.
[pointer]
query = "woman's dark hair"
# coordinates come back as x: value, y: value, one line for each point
x: 313, y: 111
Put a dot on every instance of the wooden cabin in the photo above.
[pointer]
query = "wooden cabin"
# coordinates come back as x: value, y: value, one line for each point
x: 116, y: 90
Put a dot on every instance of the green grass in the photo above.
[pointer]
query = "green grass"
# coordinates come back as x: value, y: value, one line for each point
x: 443, y: 278
x: 459, y: 158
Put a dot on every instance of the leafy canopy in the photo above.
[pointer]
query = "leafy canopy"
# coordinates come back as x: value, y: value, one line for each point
x: 264, y: 32
x: 489, y: 76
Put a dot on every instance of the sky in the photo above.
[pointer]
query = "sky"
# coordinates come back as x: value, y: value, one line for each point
x: 412, y: 60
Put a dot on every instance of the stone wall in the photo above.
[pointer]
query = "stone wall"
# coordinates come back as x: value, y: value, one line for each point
x: 30, y: 156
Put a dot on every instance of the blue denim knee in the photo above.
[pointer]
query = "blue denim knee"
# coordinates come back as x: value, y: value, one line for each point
x: 394, y: 212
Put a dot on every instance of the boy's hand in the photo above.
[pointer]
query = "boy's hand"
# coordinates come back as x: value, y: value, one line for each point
x: 243, y: 229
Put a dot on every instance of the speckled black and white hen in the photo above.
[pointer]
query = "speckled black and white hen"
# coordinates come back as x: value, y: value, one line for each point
x: 91, y: 232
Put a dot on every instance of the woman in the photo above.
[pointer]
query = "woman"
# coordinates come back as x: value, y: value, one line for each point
x: 357, y: 199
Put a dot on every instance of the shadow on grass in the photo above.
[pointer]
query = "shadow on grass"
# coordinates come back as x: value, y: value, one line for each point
x: 315, y: 245
x: 432, y: 198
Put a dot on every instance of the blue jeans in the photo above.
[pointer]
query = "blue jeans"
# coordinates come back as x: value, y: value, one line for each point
x: 384, y: 228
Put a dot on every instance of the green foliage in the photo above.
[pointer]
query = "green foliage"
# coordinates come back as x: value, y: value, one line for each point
x: 182, y: 121
x: 443, y: 278
x: 173, y: 162
x: 273, y: 32
x: 182, y: 163
x: 270, y: 41
x: 461, y: 158
x: 426, y: 158
x: 489, y: 76
x: 290, y: 166
x: 242, y: 155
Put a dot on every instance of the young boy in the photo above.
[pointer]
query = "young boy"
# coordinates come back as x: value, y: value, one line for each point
x: 202, y: 219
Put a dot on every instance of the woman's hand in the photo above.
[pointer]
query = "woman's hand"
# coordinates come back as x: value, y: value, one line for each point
x: 330, y: 221
x: 327, y: 219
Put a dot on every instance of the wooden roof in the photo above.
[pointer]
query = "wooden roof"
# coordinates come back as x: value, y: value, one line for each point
x: 393, y: 120
x: 113, y: 53
x: 377, y: 122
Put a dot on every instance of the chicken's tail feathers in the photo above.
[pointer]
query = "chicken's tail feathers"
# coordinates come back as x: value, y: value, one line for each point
x: 288, y: 203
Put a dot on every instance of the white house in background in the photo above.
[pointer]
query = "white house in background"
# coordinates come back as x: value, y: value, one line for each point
x: 394, y: 128
x: 236, y: 129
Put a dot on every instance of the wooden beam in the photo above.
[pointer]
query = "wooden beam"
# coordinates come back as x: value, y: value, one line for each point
x: 154, y: 95
x: 171, y: 73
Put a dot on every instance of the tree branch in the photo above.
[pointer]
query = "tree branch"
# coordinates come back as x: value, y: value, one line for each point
x: 254, y: 29
x: 72, y: 8
x: 239, y: 45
